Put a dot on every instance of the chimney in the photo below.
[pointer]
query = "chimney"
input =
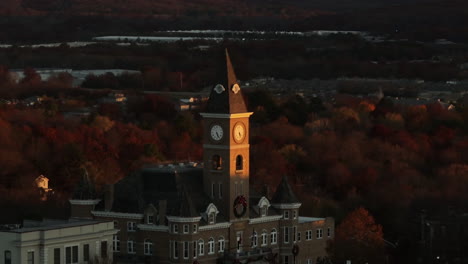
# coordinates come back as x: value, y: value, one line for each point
x: 108, y: 197
x: 266, y: 191
x: 162, y: 211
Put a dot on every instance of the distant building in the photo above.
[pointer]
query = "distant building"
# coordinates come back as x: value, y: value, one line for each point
x: 209, y: 214
x: 42, y: 183
x: 57, y: 241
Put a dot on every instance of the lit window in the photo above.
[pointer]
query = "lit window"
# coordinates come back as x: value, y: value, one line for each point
x: 131, y: 247
x: 273, y: 237
x: 116, y: 243
x: 148, y: 247
x: 221, y: 244
x: 211, y: 246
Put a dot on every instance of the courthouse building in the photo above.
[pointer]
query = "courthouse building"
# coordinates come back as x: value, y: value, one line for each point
x: 189, y: 213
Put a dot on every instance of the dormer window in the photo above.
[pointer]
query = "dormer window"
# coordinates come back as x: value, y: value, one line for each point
x: 210, y: 214
x: 239, y: 163
x: 217, y: 162
x: 149, y: 219
x: 263, y: 206
x: 212, y: 218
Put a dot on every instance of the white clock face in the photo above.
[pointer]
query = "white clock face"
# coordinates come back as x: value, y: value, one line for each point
x: 239, y: 132
x: 216, y: 132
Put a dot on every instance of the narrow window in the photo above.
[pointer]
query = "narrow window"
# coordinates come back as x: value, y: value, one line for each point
x: 286, y: 214
x: 176, y: 250
x: 148, y: 247
x: 8, y: 256
x: 194, y: 249
x: 194, y: 228
x: 274, y: 237
x: 150, y: 219
x: 130, y: 247
x: 220, y: 190
x: 217, y: 162
x: 103, y: 249
x: 212, y: 190
x: 211, y: 245
x: 221, y: 244
x: 286, y: 234
x: 186, y: 249
x: 239, y: 163
x: 254, y: 239
x: 116, y: 244
x: 186, y: 229
x: 328, y: 232
x: 31, y: 257
x: 201, y: 247
x: 56, y: 256
x: 86, y: 251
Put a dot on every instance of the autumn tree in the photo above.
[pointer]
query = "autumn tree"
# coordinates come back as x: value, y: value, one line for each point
x: 359, y: 239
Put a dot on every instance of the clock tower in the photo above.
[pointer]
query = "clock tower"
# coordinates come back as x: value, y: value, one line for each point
x: 226, y: 146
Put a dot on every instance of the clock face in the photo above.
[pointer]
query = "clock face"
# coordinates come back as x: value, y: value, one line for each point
x: 216, y: 132
x: 239, y: 132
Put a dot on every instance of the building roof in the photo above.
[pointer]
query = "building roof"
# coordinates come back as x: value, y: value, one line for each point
x: 284, y: 193
x: 179, y: 186
x: 224, y: 99
x: 49, y: 224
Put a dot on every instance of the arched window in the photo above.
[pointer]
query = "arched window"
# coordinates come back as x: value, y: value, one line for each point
x: 273, y: 236
x: 148, y: 247
x: 264, y: 238
x: 239, y: 163
x: 7, y: 257
x: 201, y: 247
x: 211, y: 246
x: 254, y: 239
x: 221, y: 244
x: 217, y: 162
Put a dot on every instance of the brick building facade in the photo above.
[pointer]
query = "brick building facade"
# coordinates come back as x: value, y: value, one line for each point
x: 208, y: 214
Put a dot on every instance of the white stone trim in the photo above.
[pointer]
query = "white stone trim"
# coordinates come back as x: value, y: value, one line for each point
x: 178, y: 219
x: 214, y: 226
x: 240, y: 146
x: 287, y: 206
x: 117, y: 215
x: 84, y: 202
x: 161, y: 228
x: 216, y: 115
x: 265, y: 219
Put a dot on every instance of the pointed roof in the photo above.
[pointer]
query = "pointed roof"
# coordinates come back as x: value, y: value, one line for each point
x: 284, y: 193
x: 85, y: 189
x: 184, y: 207
x: 226, y: 95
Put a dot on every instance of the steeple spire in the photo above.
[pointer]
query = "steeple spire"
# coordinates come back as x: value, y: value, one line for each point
x: 226, y: 95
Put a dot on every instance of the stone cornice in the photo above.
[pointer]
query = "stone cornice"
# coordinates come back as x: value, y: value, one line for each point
x: 117, y: 215
x: 84, y: 202
x: 160, y: 228
x: 240, y: 146
x: 265, y: 219
x: 216, y: 115
x: 214, y: 226
x: 178, y: 219
x: 287, y: 206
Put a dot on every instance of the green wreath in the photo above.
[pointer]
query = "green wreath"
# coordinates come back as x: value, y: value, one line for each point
x: 240, y: 201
